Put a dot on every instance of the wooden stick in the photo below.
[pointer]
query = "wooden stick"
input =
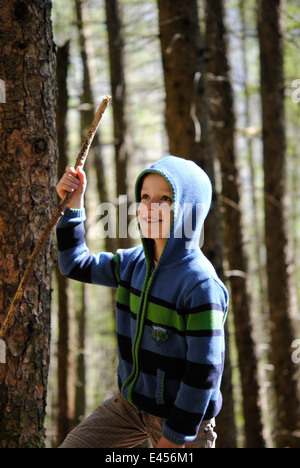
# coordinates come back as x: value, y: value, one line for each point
x: 53, y: 221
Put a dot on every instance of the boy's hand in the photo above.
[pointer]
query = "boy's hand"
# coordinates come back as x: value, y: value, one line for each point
x: 73, y: 181
x: 164, y: 443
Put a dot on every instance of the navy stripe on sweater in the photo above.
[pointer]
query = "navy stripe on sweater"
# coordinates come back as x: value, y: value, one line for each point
x: 83, y: 271
x: 70, y: 237
x: 201, y: 376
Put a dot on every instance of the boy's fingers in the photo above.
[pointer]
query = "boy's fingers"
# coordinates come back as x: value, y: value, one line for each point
x: 70, y: 179
x: 72, y: 184
x: 71, y: 170
x: 78, y: 173
x: 81, y: 175
x: 68, y: 183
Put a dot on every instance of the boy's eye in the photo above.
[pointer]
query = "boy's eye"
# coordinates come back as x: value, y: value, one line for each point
x: 167, y: 199
x: 164, y: 198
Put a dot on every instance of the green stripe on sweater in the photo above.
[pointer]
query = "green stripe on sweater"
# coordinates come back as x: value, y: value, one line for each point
x: 206, y: 320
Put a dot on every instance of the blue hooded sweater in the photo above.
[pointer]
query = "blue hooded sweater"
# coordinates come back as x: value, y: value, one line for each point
x: 170, y: 318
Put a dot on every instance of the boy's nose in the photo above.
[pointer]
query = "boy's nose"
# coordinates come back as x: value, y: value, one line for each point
x: 153, y: 205
x: 150, y: 204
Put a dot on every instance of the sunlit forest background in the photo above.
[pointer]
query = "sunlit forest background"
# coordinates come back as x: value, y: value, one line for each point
x: 218, y: 82
x: 92, y: 355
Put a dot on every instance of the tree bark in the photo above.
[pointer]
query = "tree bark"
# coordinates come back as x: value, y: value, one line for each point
x: 118, y: 90
x: 63, y: 419
x: 88, y: 110
x: 28, y: 174
x: 276, y: 236
x: 223, y: 117
x: 181, y: 51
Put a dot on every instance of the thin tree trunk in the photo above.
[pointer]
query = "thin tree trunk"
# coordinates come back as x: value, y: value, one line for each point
x: 224, y: 130
x: 88, y: 104
x: 118, y: 90
x: 63, y: 419
x: 88, y: 110
x: 258, y: 229
x: 277, y: 243
x: 80, y: 383
x: 28, y: 173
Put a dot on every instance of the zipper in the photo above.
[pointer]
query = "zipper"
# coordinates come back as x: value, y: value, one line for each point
x: 151, y: 271
x: 131, y: 380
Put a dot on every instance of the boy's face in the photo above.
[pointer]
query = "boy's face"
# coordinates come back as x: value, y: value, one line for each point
x: 155, y: 209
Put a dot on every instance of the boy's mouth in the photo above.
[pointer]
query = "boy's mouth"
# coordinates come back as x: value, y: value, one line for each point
x: 152, y: 221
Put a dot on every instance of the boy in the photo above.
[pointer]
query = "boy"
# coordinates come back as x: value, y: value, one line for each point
x: 170, y: 313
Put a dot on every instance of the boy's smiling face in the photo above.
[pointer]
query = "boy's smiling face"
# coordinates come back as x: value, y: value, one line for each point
x: 155, y: 209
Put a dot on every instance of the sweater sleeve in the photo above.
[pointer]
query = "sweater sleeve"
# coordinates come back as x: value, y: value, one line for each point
x: 199, y: 397
x: 74, y: 258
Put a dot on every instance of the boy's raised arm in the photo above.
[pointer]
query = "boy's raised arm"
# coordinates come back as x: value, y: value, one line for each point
x: 74, y: 258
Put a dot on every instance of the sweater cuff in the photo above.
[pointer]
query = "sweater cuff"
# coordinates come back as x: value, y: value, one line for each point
x: 175, y: 437
x: 73, y: 213
x: 71, y: 218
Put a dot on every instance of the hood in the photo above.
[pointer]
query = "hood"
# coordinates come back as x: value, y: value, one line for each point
x: 192, y: 196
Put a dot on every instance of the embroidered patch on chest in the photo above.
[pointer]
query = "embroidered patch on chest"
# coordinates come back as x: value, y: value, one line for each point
x: 159, y: 335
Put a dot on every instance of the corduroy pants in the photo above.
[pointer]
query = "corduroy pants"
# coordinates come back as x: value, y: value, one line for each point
x: 116, y: 424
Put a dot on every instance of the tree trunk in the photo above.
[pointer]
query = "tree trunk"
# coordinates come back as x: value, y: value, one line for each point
x: 88, y: 110
x: 28, y: 174
x: 224, y: 130
x: 181, y: 51
x: 86, y: 115
x: 63, y: 419
x: 118, y: 91
x: 187, y: 123
x: 255, y: 221
x: 189, y: 136
x: 278, y: 253
x: 80, y: 383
